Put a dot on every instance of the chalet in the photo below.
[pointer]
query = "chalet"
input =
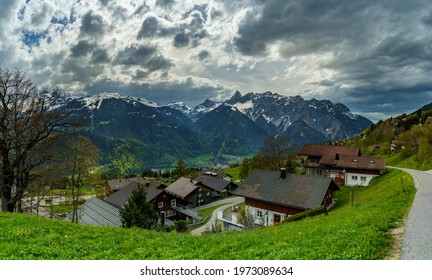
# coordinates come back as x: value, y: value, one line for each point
x: 107, y: 212
x: 343, y: 164
x: 271, y: 196
x: 219, y: 188
x: 112, y: 186
x: 182, y: 195
x: 120, y: 197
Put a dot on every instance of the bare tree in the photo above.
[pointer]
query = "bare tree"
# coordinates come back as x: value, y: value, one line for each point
x: 80, y: 158
x: 275, y: 151
x: 245, y: 217
x: 27, y: 123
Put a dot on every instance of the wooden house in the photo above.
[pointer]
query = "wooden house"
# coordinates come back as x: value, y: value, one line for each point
x: 271, y: 196
x: 343, y: 164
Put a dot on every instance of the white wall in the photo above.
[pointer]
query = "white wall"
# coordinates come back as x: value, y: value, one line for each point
x: 267, y: 218
x: 355, y: 179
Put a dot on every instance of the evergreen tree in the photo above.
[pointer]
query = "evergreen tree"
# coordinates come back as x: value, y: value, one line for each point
x: 137, y: 212
x: 181, y: 169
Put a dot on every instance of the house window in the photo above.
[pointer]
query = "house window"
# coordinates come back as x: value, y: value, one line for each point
x: 363, y: 178
x: 160, y: 204
x: 171, y: 213
x: 259, y: 213
x: 354, y: 178
x: 173, y: 203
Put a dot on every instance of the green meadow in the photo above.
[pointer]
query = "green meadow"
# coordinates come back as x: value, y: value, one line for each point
x: 356, y: 228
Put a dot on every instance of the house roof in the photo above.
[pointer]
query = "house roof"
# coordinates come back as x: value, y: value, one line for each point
x: 213, y: 183
x: 297, y: 191
x: 187, y: 212
x: 182, y: 187
x: 95, y: 211
x: 209, y: 173
x: 119, y: 198
x: 328, y: 152
x: 368, y: 163
x: 118, y: 184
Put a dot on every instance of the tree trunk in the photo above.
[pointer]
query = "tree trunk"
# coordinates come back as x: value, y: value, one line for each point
x: 6, y: 190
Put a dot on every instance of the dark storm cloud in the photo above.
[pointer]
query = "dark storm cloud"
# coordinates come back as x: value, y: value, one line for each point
x: 149, y: 28
x: 380, y: 50
x: 427, y: 20
x: 6, y: 9
x: 158, y: 62
x: 83, y: 48
x: 203, y: 55
x: 309, y: 26
x: 144, y: 56
x: 93, y: 25
x: 162, y: 92
x: 181, y: 40
x: 152, y: 28
x: 105, y: 2
x: 101, y: 56
x: 165, y: 3
x: 192, y: 32
x: 73, y: 70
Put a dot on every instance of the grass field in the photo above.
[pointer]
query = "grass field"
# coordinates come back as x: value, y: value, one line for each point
x: 412, y: 162
x: 358, y: 230
x: 234, y: 172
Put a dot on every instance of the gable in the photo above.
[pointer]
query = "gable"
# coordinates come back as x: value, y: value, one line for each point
x: 298, y: 191
x: 182, y: 187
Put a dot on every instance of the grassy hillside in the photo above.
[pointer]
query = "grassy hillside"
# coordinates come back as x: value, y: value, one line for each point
x: 358, y: 231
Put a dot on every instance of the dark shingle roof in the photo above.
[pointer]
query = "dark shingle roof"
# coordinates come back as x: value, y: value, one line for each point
x: 120, y: 197
x: 297, y: 191
x: 213, y: 183
x: 98, y: 212
x: 182, y: 187
x: 367, y: 163
x: 328, y: 151
x: 118, y: 184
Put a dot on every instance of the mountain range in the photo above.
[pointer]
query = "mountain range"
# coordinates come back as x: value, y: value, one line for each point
x: 159, y: 135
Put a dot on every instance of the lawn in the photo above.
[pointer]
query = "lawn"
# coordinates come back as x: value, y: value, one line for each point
x: 234, y: 172
x: 358, y: 230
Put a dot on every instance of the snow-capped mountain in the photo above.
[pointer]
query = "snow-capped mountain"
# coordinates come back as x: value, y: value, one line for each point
x: 181, y: 107
x: 277, y: 114
x: 228, y: 129
x: 203, y: 108
x: 159, y: 135
x: 155, y: 134
x: 95, y: 101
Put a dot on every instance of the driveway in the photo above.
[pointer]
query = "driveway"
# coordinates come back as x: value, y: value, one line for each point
x: 212, y: 221
x: 417, y: 240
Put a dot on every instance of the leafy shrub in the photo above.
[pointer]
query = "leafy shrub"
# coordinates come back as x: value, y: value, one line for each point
x: 180, y: 226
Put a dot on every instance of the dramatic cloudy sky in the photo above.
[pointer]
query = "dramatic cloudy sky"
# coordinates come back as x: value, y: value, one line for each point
x: 374, y: 56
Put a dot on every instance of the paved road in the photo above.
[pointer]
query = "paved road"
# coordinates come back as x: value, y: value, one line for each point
x: 417, y: 240
x: 212, y: 221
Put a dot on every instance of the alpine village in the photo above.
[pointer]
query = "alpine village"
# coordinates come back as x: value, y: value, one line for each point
x: 258, y: 176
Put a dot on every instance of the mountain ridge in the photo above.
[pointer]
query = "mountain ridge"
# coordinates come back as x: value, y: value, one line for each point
x: 160, y: 134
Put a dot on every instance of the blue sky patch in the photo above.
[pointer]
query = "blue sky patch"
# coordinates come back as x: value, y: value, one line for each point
x: 32, y: 39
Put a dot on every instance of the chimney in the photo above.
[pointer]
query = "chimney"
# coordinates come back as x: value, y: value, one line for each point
x: 337, y: 156
x: 283, y: 173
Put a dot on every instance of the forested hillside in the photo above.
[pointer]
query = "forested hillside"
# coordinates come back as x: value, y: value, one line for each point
x: 405, y: 140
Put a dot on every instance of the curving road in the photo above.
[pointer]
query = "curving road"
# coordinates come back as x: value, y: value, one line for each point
x: 212, y: 221
x: 417, y: 240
